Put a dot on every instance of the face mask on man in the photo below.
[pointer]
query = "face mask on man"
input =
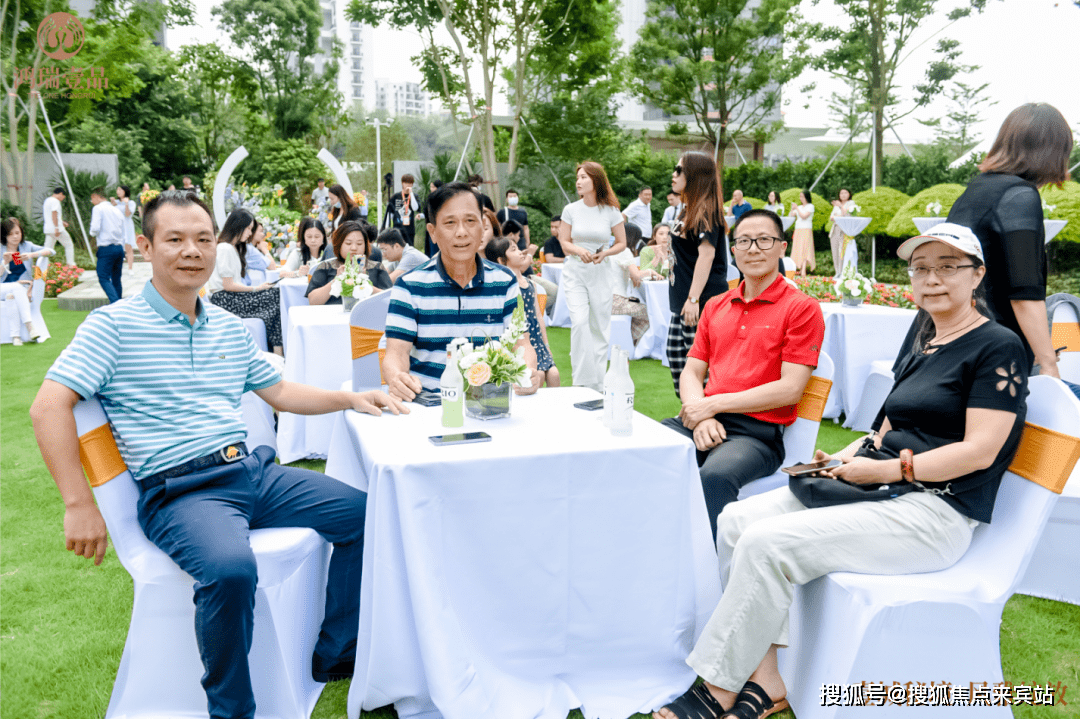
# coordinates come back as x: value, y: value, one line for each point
x: 512, y: 201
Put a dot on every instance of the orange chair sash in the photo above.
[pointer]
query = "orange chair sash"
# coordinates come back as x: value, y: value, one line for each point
x: 364, y: 341
x: 732, y: 284
x: 812, y: 404
x: 542, y: 301
x: 100, y: 456
x: 1045, y: 457
x: 1067, y: 335
x: 38, y: 274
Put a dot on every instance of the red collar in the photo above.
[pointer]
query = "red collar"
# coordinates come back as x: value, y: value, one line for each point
x: 772, y: 293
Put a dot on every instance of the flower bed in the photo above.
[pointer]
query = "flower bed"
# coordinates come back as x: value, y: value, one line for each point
x: 61, y: 278
x: 823, y: 289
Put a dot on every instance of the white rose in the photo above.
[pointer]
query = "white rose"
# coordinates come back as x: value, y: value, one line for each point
x: 335, y: 288
x: 856, y: 292
x: 852, y: 284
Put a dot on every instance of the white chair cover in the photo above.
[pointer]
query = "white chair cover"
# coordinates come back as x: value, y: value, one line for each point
x: 939, y: 627
x: 257, y: 277
x: 800, y: 439
x: 160, y: 668
x: 9, y: 313
x: 1053, y: 572
x: 369, y: 313
x: 878, y: 385
x: 257, y: 328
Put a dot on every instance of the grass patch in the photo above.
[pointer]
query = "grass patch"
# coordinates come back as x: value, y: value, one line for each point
x: 64, y: 621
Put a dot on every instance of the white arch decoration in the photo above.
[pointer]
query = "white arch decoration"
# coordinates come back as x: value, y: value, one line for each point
x: 335, y: 167
x: 221, y: 181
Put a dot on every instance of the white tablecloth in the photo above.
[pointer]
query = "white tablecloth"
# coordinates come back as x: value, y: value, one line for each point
x: 654, y: 342
x: 292, y: 292
x: 321, y: 356
x: 560, y: 314
x: 556, y: 566
x: 854, y: 338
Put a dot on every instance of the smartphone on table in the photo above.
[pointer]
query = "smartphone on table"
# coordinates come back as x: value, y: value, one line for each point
x: 460, y: 438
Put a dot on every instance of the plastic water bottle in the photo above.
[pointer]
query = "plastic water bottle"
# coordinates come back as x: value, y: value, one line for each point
x: 609, y: 386
x: 620, y: 396
x: 452, y: 388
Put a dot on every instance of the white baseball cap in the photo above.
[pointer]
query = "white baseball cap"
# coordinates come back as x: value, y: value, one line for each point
x: 952, y: 235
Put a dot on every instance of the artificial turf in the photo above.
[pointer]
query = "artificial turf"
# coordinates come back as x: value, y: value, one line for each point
x: 63, y: 621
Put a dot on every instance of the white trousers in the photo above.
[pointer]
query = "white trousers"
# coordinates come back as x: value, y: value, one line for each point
x: 65, y: 240
x: 589, y: 294
x: 15, y: 292
x: 770, y: 542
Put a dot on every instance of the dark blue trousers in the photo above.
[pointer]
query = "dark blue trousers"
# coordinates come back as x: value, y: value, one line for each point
x: 110, y: 263
x: 202, y: 521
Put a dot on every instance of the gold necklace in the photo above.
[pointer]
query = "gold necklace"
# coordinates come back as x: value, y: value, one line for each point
x: 950, y: 334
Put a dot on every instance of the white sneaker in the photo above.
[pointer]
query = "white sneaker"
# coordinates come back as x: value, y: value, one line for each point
x: 16, y: 341
x: 35, y: 333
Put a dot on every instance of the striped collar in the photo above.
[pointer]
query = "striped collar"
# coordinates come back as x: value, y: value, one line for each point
x: 170, y: 313
x: 477, y: 278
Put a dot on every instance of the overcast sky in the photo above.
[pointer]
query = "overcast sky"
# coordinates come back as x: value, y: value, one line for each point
x: 1026, y: 50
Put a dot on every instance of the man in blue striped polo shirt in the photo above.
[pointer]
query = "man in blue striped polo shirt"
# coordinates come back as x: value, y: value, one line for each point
x: 456, y: 293
x: 170, y: 370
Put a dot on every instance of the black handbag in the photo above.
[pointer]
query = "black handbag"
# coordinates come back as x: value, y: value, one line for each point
x: 816, y: 492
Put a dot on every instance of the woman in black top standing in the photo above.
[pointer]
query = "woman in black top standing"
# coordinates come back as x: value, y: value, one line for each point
x: 345, y: 208
x: 1003, y: 208
x: 698, y: 261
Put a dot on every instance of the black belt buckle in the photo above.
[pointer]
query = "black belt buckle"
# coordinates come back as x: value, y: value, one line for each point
x: 231, y: 454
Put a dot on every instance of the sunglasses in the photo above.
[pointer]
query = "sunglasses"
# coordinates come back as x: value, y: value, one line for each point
x: 678, y: 169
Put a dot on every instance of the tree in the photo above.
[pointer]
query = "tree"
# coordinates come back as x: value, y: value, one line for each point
x: 117, y: 38
x: 224, y: 100
x: 848, y: 110
x: 868, y: 47
x: 96, y: 135
x: 721, y: 61
x: 281, y: 38
x: 956, y: 131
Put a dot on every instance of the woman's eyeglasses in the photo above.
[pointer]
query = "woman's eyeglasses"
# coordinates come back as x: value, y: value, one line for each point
x: 763, y: 243
x: 678, y: 169
x: 941, y: 271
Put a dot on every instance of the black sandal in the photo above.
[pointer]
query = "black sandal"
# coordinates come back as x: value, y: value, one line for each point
x: 696, y: 703
x: 753, y: 702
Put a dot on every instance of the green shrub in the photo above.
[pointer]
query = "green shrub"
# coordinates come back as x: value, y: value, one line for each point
x: 754, y: 202
x: 822, y: 206
x: 1066, y: 202
x: 881, y: 205
x: 902, y: 224
x: 32, y: 230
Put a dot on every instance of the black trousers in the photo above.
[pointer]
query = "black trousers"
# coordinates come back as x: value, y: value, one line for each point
x: 753, y: 449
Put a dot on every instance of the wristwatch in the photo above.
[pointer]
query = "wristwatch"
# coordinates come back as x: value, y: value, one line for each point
x: 692, y: 300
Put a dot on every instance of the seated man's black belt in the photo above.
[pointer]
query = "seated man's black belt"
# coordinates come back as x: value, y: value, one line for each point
x: 225, y: 455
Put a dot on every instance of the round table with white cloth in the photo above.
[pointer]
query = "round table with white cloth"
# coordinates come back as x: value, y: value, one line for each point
x: 321, y: 356
x: 502, y: 579
x: 855, y: 337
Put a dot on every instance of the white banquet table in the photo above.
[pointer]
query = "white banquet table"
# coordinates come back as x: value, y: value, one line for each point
x: 321, y: 356
x: 654, y: 342
x: 291, y: 291
x: 519, y: 577
x: 855, y: 337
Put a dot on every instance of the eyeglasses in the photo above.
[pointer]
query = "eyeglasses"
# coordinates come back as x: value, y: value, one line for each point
x: 678, y: 169
x: 763, y: 243
x: 941, y: 271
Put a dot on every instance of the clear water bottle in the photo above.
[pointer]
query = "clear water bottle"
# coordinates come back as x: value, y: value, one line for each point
x: 609, y: 386
x: 620, y: 396
x: 452, y: 388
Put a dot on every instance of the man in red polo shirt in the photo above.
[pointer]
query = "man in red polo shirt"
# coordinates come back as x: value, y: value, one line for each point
x: 758, y: 344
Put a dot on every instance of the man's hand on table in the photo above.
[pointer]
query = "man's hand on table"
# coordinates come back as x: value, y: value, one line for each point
x: 404, y: 386
x: 374, y: 402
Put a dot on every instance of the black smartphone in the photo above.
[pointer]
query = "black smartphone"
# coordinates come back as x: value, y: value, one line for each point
x: 428, y: 398
x: 592, y: 404
x: 798, y: 470
x: 462, y: 438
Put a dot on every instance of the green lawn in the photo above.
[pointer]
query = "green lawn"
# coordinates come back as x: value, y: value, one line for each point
x: 63, y: 621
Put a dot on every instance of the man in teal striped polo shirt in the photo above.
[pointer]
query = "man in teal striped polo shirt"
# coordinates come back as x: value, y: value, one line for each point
x: 170, y: 370
x: 456, y: 293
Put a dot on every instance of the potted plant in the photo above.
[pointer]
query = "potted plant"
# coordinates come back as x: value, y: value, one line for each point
x: 352, y: 285
x: 490, y: 371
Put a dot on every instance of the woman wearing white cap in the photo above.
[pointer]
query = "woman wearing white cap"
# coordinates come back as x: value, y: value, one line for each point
x: 952, y: 423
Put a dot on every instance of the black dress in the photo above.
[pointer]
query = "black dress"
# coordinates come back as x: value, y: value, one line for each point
x: 1005, y: 213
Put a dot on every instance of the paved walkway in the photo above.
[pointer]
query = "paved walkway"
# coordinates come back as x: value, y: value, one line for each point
x: 88, y: 295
